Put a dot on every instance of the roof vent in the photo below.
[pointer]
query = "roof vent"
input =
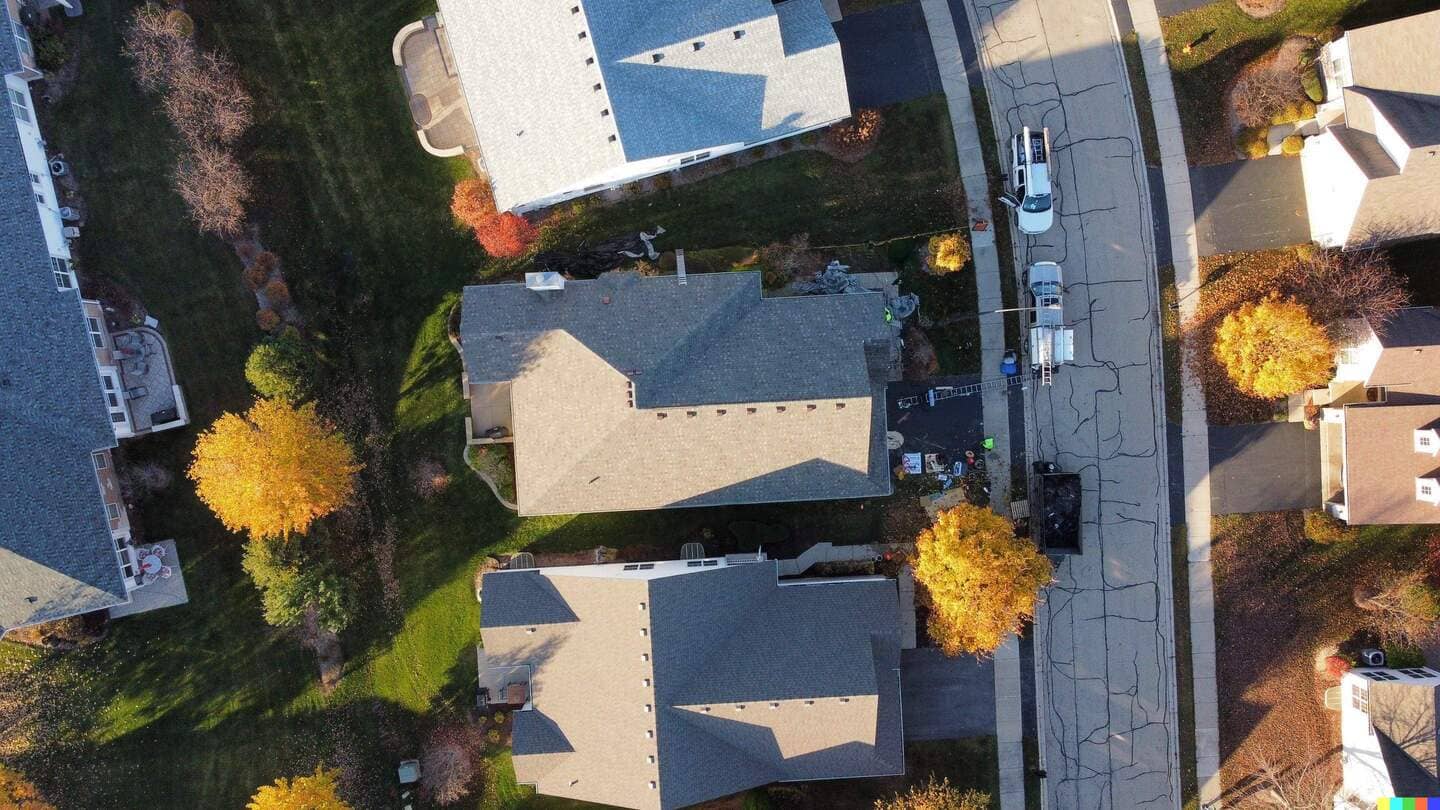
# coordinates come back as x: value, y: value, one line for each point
x: 547, y: 280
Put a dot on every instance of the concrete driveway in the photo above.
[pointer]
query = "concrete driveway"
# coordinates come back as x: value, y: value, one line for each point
x: 887, y: 55
x: 1264, y: 468
x: 946, y: 698
x: 1249, y: 205
x: 1104, y: 639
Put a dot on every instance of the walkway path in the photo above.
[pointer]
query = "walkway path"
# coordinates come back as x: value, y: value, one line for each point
x: 1195, y: 432
x: 994, y: 401
x: 1104, y: 641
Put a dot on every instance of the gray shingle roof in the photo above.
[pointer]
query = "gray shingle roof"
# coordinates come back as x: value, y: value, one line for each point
x: 56, y: 557
x: 737, y: 398
x: 1410, y: 352
x: 815, y: 668
x: 1403, y: 714
x: 524, y: 599
x: 1395, y: 68
x: 544, y: 129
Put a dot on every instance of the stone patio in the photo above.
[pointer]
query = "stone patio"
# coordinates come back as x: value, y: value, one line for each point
x: 149, y: 380
x: 161, y: 593
x: 421, y: 51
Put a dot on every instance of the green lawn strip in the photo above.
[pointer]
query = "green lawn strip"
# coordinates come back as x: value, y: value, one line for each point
x: 1224, y: 39
x: 1170, y: 343
x: 1184, y: 671
x: 1140, y: 95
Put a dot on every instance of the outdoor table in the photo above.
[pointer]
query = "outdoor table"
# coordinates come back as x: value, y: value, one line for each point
x: 150, y: 564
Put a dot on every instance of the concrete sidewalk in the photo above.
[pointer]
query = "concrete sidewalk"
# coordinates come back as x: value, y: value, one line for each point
x: 995, y: 413
x: 1195, y: 432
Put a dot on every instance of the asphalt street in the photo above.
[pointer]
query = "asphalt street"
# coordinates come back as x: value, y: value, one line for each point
x: 1104, y: 638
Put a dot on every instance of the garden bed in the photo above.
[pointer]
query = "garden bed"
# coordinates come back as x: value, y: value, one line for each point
x: 1209, y: 46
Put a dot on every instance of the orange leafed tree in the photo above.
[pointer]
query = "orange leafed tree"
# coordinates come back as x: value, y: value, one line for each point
x: 318, y: 792
x: 981, y: 582
x: 1272, y: 348
x: 274, y: 470
x: 506, y: 236
x: 16, y: 792
x: 473, y: 203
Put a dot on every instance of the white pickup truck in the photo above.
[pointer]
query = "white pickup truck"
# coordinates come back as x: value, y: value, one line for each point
x: 1051, y: 342
x: 1029, y: 177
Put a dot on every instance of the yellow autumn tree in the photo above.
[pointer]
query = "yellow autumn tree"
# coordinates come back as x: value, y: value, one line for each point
x: 936, y: 796
x: 948, y: 252
x: 981, y: 582
x: 1272, y: 348
x: 318, y: 792
x: 17, y: 793
x: 273, y: 470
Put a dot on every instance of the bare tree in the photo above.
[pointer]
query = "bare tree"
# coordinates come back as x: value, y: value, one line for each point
x: 1336, y: 286
x: 1292, y: 777
x: 1259, y: 94
x: 206, y: 101
x: 155, y: 44
x: 447, y: 767
x: 1405, y: 610
x: 216, y: 187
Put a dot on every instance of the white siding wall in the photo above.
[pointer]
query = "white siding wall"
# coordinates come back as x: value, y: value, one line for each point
x: 1390, y: 140
x: 1365, y: 777
x: 1334, y: 186
x: 35, y: 160
x: 1355, y: 361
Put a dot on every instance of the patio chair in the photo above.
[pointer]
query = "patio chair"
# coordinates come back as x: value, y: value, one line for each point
x: 137, y: 392
x: 126, y: 340
x: 165, y: 572
x: 158, y: 551
x: 139, y: 366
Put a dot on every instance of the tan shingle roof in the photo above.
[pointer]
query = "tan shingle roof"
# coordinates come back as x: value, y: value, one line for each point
x: 737, y: 398
x: 815, y: 667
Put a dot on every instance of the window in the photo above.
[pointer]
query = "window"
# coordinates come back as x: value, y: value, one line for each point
x: 39, y: 198
x: 646, y: 566
x: 1417, y: 672
x: 128, y: 570
x: 1380, y: 676
x: 112, y: 399
x: 113, y: 510
x: 1357, y: 698
x: 1424, y: 440
x: 97, y: 336
x: 35, y: 178
x: 117, y: 417
x: 694, y: 563
x: 101, y: 462
x: 120, y: 543
x: 19, y: 105
x: 64, y: 279
x: 630, y: 567
x: 1427, y: 490
x: 711, y: 563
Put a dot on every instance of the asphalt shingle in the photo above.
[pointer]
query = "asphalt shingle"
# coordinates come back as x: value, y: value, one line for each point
x: 56, y: 557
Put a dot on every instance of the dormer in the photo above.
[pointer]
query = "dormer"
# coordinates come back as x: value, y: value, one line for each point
x: 1427, y: 490
x: 1427, y: 441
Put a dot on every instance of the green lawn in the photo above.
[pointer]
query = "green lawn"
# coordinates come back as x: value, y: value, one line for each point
x: 196, y: 706
x: 1224, y: 40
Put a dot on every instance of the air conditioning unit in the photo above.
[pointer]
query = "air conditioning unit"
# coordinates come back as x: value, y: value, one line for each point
x: 69, y: 214
x: 546, y: 280
x: 58, y: 167
x: 1372, y: 657
x: 70, y: 232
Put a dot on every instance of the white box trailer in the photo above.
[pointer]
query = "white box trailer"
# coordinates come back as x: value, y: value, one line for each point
x: 1051, y: 343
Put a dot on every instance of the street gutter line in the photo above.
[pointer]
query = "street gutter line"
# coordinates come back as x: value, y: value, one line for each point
x: 1194, y: 432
